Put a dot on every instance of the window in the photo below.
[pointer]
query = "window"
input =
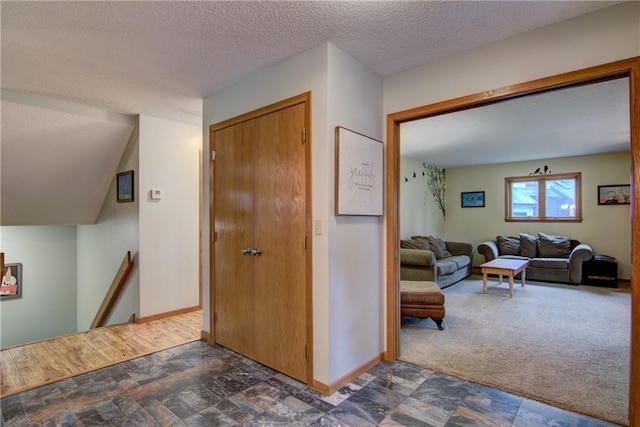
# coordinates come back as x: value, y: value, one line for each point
x: 553, y: 197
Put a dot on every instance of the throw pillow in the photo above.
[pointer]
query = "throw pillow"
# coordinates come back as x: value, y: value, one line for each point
x: 528, y: 245
x: 550, y: 246
x: 508, y: 245
x: 438, y: 247
x: 415, y: 244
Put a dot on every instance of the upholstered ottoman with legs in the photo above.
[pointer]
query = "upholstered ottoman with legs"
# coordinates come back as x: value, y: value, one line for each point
x: 422, y: 300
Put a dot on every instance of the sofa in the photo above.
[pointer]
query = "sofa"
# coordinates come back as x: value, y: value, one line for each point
x: 427, y: 258
x: 551, y: 258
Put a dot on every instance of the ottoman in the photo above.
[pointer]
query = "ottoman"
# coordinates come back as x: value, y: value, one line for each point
x: 422, y: 299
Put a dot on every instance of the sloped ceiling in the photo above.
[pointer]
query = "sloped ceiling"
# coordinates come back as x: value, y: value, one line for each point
x: 57, y: 164
x: 162, y: 58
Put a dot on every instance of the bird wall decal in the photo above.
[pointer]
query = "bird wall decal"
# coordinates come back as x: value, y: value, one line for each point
x: 545, y: 170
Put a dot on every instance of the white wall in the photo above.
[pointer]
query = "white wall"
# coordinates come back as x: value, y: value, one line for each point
x: 604, y: 36
x: 356, y: 249
x: 419, y: 214
x: 48, y: 304
x: 169, y: 228
x: 103, y: 245
x: 348, y: 94
x: 302, y: 73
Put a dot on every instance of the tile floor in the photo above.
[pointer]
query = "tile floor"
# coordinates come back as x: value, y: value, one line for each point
x: 199, y: 384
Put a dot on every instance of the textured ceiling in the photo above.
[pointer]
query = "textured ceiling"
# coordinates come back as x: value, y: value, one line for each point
x: 161, y: 58
x: 58, y: 166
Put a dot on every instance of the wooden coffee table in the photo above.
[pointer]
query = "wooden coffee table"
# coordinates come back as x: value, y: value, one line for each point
x: 501, y: 266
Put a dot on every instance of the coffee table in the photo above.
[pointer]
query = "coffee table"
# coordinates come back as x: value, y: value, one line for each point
x: 502, y: 266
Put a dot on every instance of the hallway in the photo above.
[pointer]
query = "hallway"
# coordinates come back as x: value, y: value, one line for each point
x: 198, y: 384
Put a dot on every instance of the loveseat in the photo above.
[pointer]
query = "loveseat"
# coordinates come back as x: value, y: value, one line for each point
x: 426, y: 258
x: 551, y: 258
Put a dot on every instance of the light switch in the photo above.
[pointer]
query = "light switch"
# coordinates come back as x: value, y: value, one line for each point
x: 317, y: 227
x: 156, y: 194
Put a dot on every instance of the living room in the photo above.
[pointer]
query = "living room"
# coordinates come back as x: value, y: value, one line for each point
x: 473, y: 320
x: 607, y: 229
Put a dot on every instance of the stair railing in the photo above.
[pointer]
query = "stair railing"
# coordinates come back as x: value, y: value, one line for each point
x: 114, y: 292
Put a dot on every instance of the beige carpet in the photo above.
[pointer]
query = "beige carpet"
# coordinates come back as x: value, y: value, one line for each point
x: 564, y: 345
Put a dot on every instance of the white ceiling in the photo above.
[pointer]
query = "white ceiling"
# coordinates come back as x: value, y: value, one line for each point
x: 57, y: 163
x: 569, y: 122
x: 161, y: 59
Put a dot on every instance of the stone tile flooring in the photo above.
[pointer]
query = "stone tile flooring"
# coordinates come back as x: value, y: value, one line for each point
x: 199, y: 384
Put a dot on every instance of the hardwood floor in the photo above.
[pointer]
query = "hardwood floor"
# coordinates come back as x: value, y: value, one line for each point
x: 35, y: 364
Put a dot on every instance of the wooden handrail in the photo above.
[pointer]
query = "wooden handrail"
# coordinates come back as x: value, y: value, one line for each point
x: 114, y: 291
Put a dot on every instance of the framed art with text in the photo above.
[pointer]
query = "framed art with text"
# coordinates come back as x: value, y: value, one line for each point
x: 359, y: 174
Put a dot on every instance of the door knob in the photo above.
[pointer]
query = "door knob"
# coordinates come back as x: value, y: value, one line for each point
x: 256, y: 252
x: 247, y: 251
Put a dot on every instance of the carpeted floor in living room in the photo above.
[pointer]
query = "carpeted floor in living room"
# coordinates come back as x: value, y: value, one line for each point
x: 560, y: 344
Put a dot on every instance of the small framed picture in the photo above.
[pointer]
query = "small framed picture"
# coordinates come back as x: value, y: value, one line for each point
x: 11, y: 286
x: 619, y: 194
x: 124, y: 187
x: 472, y: 199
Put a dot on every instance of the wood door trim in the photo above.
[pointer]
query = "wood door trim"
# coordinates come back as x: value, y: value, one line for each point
x: 304, y: 98
x: 629, y: 68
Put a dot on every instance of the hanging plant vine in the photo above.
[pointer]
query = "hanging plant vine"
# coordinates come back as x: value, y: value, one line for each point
x: 435, y: 183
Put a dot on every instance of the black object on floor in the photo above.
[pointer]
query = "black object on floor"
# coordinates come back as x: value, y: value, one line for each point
x: 600, y: 270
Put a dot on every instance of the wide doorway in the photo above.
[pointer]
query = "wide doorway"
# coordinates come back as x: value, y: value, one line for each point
x: 628, y: 68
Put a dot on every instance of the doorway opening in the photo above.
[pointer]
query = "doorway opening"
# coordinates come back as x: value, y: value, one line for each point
x: 629, y: 68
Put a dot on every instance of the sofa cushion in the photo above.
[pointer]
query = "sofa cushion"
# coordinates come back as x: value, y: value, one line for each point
x: 445, y: 267
x: 460, y: 260
x: 515, y: 257
x: 550, y: 246
x: 415, y: 244
x: 438, y: 247
x: 508, y: 245
x: 528, y: 245
x: 551, y: 263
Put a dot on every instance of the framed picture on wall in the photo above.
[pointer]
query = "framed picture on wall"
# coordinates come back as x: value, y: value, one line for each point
x: 11, y: 286
x: 124, y: 187
x: 359, y: 174
x: 619, y: 194
x: 472, y: 199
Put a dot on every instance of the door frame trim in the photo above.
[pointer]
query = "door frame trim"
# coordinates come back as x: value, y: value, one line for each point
x: 304, y: 98
x: 629, y: 68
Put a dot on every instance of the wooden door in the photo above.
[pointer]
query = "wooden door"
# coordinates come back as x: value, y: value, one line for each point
x: 233, y: 226
x: 279, y: 230
x: 260, y: 202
